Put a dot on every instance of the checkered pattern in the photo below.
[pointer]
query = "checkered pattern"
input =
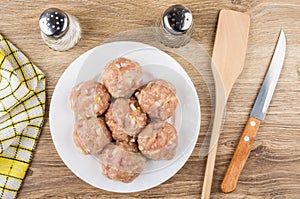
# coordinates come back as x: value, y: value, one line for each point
x: 22, y: 108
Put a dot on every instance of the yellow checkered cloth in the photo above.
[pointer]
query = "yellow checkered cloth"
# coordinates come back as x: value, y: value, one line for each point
x: 22, y: 108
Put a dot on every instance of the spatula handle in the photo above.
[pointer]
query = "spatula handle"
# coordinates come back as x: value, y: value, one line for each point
x: 240, y: 155
x: 228, y: 59
x: 211, y: 157
x: 209, y: 170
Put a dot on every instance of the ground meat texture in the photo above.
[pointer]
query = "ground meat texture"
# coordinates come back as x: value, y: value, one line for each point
x: 158, y: 99
x: 121, y: 165
x: 125, y: 119
x: 128, y: 146
x: 89, y: 99
x: 158, y: 141
x: 91, y: 135
x: 122, y: 77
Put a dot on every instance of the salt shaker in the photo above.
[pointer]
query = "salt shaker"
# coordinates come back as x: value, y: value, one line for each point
x: 175, y: 26
x: 60, y: 30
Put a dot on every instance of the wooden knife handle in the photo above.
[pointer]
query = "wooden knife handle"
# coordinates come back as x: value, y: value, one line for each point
x: 240, y: 155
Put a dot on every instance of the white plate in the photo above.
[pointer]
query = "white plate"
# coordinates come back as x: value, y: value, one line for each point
x: 155, y: 64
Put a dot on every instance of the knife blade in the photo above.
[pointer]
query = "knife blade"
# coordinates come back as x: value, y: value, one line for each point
x: 258, y: 114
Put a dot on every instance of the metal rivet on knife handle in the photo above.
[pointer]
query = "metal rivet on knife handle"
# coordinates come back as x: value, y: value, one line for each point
x: 240, y: 156
x: 246, y: 138
x: 258, y: 113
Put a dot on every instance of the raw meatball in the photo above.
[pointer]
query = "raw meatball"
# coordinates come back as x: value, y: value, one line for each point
x: 158, y: 141
x: 158, y: 99
x: 91, y: 135
x: 89, y: 99
x: 125, y: 119
x: 120, y: 164
x: 122, y: 77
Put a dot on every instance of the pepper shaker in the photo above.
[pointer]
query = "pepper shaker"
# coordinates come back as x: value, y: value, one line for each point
x: 60, y: 30
x: 175, y: 26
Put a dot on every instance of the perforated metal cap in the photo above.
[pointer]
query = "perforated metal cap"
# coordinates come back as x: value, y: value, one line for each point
x: 54, y: 22
x: 177, y: 20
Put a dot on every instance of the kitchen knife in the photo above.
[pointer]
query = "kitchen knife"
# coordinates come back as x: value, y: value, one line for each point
x: 257, y: 115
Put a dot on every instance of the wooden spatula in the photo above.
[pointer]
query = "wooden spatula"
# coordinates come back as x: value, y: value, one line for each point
x: 227, y: 64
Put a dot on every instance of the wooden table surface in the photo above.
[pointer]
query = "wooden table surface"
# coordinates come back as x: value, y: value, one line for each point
x: 272, y: 170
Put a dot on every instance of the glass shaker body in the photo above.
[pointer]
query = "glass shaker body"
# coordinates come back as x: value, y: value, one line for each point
x: 175, y: 27
x: 60, y: 30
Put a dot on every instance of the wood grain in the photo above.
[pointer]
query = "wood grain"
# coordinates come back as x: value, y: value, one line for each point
x: 272, y: 170
x: 240, y: 155
x: 228, y: 59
